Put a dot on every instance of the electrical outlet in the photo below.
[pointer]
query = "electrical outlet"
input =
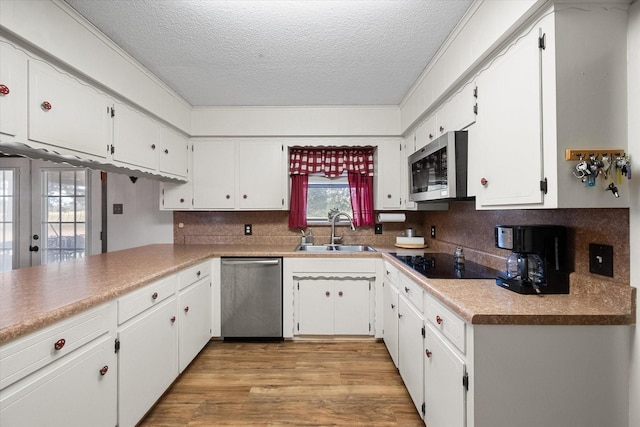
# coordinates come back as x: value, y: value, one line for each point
x: 601, y: 259
x: 378, y: 229
x: 248, y: 229
x: 433, y: 231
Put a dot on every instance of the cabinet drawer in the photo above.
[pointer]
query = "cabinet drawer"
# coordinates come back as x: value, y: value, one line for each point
x: 27, y: 354
x: 412, y: 291
x: 392, y: 274
x: 445, y: 321
x: 192, y: 274
x: 142, y: 299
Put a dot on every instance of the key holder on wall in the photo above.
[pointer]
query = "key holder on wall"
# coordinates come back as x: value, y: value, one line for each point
x: 611, y: 164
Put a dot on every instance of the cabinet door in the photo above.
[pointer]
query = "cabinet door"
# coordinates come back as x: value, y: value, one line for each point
x: 213, y: 174
x: 351, y: 307
x: 136, y: 138
x: 195, y: 320
x: 147, y: 360
x: 390, y: 318
x: 173, y: 153
x: 389, y: 176
x: 79, y: 389
x: 457, y: 113
x: 176, y: 196
x: 67, y: 113
x: 509, y: 119
x: 261, y: 175
x: 315, y: 307
x: 13, y: 94
x: 410, y: 347
x: 444, y: 394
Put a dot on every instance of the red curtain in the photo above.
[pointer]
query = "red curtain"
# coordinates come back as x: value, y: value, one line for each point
x: 332, y: 162
x: 361, y: 189
x: 298, y: 203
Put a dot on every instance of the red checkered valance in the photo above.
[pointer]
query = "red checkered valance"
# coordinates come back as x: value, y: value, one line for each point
x: 331, y: 161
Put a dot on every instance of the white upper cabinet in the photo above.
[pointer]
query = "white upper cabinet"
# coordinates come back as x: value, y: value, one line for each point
x: 261, y: 175
x: 13, y: 94
x: 510, y: 125
x: 173, y: 153
x: 560, y: 84
x: 391, y: 162
x: 244, y: 175
x: 214, y: 174
x: 136, y: 138
x: 67, y: 113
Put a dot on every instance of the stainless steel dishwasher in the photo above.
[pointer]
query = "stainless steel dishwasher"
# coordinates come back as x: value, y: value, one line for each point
x: 251, y: 296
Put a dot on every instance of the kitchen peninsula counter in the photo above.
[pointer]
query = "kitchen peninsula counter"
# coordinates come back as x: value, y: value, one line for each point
x: 35, y: 297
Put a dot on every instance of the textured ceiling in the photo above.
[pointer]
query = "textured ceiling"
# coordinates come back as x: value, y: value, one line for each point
x: 268, y: 52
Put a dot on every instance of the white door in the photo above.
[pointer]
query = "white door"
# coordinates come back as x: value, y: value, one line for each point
x: 351, y: 307
x: 261, y: 176
x: 444, y: 393
x: 410, y: 347
x: 213, y: 175
x: 315, y: 307
x: 390, y: 317
x: 511, y: 127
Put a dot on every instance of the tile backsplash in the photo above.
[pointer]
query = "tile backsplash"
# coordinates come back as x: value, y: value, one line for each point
x: 461, y: 225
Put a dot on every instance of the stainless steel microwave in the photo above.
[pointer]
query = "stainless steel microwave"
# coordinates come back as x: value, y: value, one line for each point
x: 438, y: 170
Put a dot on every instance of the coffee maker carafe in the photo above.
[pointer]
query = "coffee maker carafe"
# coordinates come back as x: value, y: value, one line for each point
x: 538, y: 263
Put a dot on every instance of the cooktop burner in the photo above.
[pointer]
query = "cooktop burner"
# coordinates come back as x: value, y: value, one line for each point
x: 441, y: 266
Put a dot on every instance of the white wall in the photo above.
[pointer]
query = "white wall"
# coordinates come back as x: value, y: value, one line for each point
x: 142, y: 222
x: 633, y: 47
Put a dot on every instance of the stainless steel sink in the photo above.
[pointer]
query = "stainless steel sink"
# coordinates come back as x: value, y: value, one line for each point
x: 334, y: 248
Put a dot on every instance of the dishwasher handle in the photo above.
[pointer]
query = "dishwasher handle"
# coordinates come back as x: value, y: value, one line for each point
x: 250, y: 261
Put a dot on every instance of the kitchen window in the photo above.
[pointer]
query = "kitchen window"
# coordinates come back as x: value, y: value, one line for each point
x: 326, y: 194
x: 331, y: 163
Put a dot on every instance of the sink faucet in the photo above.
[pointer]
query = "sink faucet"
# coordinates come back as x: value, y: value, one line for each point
x: 335, y: 238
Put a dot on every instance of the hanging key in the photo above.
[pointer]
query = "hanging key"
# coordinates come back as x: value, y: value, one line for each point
x: 613, y: 189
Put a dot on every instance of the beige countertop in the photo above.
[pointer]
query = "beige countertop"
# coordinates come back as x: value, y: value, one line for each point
x: 35, y: 297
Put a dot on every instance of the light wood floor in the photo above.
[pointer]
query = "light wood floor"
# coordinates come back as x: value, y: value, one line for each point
x: 335, y: 383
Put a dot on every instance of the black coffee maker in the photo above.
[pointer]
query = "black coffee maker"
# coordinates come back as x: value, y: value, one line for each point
x: 538, y: 263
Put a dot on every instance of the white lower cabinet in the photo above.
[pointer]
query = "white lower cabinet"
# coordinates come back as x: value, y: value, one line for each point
x: 390, y: 322
x: 78, y: 390
x: 410, y: 347
x: 194, y: 320
x: 444, y: 392
x: 63, y: 375
x: 333, y: 307
x: 147, y: 360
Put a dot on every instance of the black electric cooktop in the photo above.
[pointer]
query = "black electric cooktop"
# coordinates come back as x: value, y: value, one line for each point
x: 442, y: 266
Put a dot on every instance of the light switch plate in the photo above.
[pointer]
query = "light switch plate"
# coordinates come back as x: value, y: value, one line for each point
x: 601, y: 259
x: 117, y: 209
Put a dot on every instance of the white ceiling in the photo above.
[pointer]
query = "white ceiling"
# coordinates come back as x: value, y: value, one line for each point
x: 280, y: 53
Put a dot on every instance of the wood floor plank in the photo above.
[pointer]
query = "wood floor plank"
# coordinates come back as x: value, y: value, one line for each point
x: 332, y: 383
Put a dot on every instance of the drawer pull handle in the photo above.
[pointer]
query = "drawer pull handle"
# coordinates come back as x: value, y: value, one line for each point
x: 393, y: 307
x: 388, y: 272
x: 59, y: 344
x: 46, y: 106
x: 340, y: 293
x: 4, y: 90
x: 327, y: 293
x: 186, y: 309
x: 153, y: 146
x: 438, y: 320
x: 198, y: 273
x: 154, y: 296
x: 166, y: 151
x: 428, y: 353
x: 181, y: 200
x: 406, y: 290
x: 104, y: 370
x: 173, y: 319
